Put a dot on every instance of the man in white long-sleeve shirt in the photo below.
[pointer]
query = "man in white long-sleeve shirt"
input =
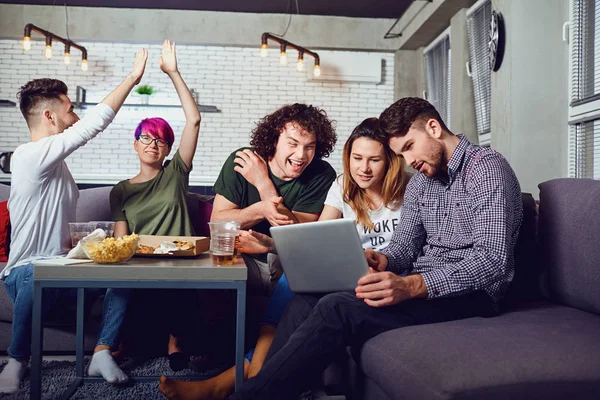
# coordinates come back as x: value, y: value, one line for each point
x: 42, y: 202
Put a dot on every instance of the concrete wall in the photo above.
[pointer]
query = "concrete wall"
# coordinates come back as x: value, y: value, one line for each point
x: 530, y: 91
x: 408, y: 74
x: 235, y: 79
x: 463, y: 101
x: 197, y: 27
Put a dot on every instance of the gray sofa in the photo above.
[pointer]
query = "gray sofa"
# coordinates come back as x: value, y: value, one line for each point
x: 59, y: 337
x: 545, y: 345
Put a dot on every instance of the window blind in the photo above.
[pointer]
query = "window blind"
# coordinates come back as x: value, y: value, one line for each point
x: 478, y: 31
x: 437, y: 73
x: 584, y: 150
x: 585, y: 51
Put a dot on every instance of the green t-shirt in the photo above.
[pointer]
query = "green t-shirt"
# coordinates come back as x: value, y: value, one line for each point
x: 306, y: 193
x: 156, y: 207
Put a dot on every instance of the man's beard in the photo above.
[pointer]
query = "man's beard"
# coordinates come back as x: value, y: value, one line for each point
x: 437, y: 160
x: 62, y: 126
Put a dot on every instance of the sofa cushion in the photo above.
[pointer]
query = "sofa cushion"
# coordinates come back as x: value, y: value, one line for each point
x: 4, y: 231
x: 200, y: 208
x: 524, y: 285
x: 94, y: 204
x: 4, y: 192
x: 6, y: 306
x: 543, y: 351
x: 569, y: 229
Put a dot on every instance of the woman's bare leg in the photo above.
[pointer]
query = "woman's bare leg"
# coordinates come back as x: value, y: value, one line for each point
x: 217, y: 388
x: 265, y: 338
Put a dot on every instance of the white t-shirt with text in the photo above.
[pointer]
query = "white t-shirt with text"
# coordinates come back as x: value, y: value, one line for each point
x: 385, y: 219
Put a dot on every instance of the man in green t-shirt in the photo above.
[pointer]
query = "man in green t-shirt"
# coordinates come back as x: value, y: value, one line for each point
x: 280, y: 180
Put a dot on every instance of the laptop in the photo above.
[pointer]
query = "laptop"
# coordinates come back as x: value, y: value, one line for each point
x: 321, y: 257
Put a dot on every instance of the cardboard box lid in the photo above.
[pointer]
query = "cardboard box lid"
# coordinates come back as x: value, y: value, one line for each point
x: 201, y: 243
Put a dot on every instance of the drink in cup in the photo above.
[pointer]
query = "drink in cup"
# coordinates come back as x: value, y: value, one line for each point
x: 222, y: 241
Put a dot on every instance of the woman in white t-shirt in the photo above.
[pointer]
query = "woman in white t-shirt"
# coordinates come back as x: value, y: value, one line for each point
x: 370, y: 191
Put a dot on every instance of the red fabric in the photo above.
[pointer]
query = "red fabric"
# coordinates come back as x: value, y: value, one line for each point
x: 4, y: 231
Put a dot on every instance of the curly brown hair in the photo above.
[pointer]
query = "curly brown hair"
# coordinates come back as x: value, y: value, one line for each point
x: 37, y: 91
x: 397, y: 118
x: 312, y: 119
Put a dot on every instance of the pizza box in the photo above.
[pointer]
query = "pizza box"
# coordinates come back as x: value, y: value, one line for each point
x: 201, y: 244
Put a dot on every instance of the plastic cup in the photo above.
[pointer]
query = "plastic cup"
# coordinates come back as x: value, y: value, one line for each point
x: 79, y: 230
x: 222, y: 241
x: 107, y: 226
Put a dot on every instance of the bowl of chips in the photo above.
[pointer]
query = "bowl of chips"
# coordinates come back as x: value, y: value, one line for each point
x: 111, y: 250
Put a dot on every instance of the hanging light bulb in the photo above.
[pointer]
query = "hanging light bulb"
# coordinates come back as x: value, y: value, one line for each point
x: 26, y: 43
x: 300, y: 64
x: 67, y: 54
x: 48, y: 50
x: 283, y: 55
x: 317, y: 71
x: 264, y: 52
x: 84, y: 65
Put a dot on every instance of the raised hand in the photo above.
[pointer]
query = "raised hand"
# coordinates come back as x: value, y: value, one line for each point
x: 168, y: 59
x: 252, y: 167
x: 139, y: 65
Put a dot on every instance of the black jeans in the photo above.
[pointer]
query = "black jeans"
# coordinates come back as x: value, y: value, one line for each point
x: 314, y: 329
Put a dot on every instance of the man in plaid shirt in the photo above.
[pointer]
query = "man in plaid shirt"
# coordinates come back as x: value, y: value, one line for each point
x: 451, y: 257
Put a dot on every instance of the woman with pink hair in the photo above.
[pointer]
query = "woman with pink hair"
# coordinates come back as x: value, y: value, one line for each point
x: 152, y: 203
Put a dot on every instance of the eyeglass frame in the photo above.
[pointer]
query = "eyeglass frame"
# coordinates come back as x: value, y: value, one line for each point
x: 151, y: 139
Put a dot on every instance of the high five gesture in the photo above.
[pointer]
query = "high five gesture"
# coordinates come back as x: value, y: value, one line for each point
x: 189, y: 137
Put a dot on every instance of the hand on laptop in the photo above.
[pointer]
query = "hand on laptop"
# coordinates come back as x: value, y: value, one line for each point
x: 376, y: 260
x: 252, y: 242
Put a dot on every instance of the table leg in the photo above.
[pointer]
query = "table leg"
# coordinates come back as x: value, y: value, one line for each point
x: 37, y: 334
x: 80, y: 331
x: 239, y: 335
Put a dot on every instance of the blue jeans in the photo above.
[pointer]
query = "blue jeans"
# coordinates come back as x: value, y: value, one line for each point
x: 113, y: 315
x: 19, y: 286
x: 277, y: 303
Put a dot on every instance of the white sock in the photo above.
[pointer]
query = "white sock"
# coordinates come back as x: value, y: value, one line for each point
x: 12, y: 375
x: 103, y: 364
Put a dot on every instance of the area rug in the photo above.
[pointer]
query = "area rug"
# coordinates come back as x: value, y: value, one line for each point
x: 58, y: 375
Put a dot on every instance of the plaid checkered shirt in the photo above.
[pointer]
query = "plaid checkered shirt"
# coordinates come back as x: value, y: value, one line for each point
x: 460, y: 233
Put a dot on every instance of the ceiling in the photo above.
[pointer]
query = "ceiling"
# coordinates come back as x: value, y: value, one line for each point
x: 346, y: 8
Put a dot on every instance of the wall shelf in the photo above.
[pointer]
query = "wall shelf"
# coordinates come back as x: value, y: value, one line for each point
x: 81, y: 103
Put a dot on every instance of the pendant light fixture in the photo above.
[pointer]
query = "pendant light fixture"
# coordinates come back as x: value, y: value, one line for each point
x: 29, y: 28
x: 284, y: 46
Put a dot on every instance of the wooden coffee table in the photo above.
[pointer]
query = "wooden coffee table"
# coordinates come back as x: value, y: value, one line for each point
x: 137, y: 273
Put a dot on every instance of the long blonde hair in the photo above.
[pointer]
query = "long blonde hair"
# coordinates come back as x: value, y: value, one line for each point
x: 394, y: 182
